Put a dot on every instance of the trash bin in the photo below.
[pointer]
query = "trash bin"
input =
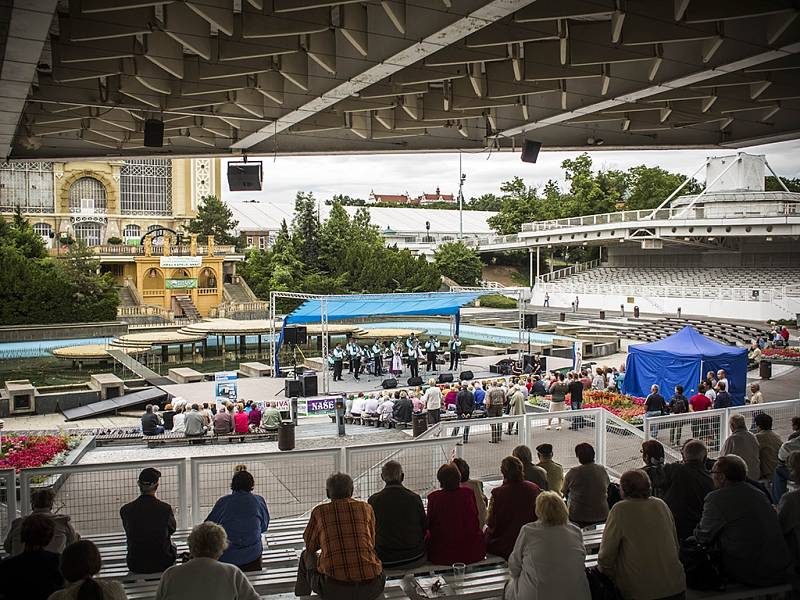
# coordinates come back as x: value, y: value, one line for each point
x: 602, y: 315
x: 635, y: 312
x: 286, y: 436
x: 765, y: 369
x: 419, y: 424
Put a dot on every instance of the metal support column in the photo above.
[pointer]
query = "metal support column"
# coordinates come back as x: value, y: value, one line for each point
x: 323, y: 320
x: 530, y: 265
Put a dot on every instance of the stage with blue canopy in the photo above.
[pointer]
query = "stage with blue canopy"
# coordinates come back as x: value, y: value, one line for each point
x: 358, y: 306
x: 683, y: 359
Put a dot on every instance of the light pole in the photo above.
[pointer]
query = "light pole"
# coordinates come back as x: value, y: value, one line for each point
x: 461, y: 178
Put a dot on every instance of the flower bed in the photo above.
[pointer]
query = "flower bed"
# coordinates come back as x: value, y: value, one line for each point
x: 628, y: 408
x: 26, y: 451
x: 788, y: 354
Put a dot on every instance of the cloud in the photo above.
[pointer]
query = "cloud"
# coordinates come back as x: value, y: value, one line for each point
x: 357, y: 175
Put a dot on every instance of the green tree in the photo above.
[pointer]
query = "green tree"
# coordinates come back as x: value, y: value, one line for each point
x: 305, y: 229
x: 773, y: 185
x: 459, y: 263
x: 519, y: 205
x: 484, y: 202
x: 24, y: 238
x: 214, y: 218
x: 650, y: 186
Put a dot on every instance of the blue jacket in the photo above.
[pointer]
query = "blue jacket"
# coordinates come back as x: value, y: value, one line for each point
x: 244, y: 516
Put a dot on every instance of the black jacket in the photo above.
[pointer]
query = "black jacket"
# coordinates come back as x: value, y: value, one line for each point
x: 149, y: 524
x: 400, y: 525
x: 685, y: 487
x: 575, y: 388
x: 402, y: 410
x: 465, y: 402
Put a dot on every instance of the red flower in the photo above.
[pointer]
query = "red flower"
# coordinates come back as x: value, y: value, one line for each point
x: 23, y: 452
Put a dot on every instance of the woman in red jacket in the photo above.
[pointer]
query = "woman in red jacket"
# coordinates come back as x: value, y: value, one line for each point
x: 453, y: 531
x: 240, y: 420
x: 513, y: 505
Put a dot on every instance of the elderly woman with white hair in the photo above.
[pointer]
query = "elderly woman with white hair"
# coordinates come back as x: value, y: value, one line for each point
x: 548, y: 556
x: 204, y: 576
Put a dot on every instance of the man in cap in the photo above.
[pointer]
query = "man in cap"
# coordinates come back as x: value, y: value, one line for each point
x: 149, y: 524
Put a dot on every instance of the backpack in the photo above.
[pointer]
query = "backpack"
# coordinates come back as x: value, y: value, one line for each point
x: 679, y: 405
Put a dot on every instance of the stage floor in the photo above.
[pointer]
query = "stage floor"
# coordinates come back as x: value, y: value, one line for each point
x: 266, y: 388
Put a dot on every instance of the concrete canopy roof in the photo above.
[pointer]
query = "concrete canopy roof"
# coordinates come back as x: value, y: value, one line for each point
x: 78, y: 78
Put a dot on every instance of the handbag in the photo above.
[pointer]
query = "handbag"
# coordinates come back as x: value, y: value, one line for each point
x: 600, y: 585
x: 701, y: 565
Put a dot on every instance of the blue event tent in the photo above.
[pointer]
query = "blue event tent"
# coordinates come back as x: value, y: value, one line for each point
x: 357, y: 306
x: 683, y: 359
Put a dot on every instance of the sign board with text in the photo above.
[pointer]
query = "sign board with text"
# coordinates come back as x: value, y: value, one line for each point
x: 173, y: 262
x: 316, y: 406
x: 225, y: 387
x: 181, y: 284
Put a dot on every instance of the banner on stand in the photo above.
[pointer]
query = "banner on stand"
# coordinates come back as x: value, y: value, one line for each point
x: 225, y: 387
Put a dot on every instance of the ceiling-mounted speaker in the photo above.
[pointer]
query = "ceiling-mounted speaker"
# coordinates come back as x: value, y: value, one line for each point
x: 245, y: 176
x: 530, y: 151
x: 154, y: 133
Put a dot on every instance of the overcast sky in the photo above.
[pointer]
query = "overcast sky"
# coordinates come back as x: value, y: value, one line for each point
x: 414, y: 173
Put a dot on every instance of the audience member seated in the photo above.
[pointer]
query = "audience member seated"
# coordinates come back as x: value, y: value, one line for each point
x: 512, y: 505
x: 254, y: 418
x: 586, y: 489
x: 195, y: 424
x: 359, y: 404
x: 789, y: 514
x: 403, y: 409
x: 533, y: 473
x: 453, y: 531
x: 769, y: 443
x: 400, y: 521
x: 342, y: 531
x: 33, y: 574
x: 80, y: 562
x: 149, y: 524
x: 555, y: 472
x: 639, y: 550
x: 223, y: 422
x: 42, y: 503
x: 477, y: 488
x: 271, y: 419
x: 168, y: 416
x: 370, y: 406
x: 741, y: 524
x: 244, y: 517
x: 686, y: 485
x: 204, y: 576
x: 385, y: 409
x: 781, y: 477
x: 653, y: 457
x: 179, y: 420
x: 548, y: 557
x: 151, y: 424
x: 241, y: 423
x: 743, y: 444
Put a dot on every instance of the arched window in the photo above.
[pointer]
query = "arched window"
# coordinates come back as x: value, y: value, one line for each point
x: 207, y: 278
x: 87, y: 195
x: 153, y: 280
x: 157, y: 238
x: 132, y: 231
x: 43, y: 229
x: 88, y: 233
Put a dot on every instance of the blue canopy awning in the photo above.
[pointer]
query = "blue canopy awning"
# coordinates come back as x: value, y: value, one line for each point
x: 381, y: 305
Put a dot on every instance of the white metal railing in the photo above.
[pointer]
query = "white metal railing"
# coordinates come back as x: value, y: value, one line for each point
x: 737, y: 294
x: 738, y: 210
x: 491, y: 285
x: 570, y: 270
x: 93, y: 494
x: 8, y: 499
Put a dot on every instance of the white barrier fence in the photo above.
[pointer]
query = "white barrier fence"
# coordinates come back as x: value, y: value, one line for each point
x: 294, y: 482
x: 8, y: 499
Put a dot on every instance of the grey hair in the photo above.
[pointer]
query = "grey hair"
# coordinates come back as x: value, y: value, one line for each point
x: 339, y: 486
x: 392, y: 472
x: 694, y: 450
x: 207, y: 540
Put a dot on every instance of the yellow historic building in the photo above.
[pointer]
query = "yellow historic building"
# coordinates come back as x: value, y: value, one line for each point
x: 134, y: 214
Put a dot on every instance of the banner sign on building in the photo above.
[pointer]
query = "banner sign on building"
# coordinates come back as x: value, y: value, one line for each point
x: 225, y: 387
x: 317, y: 406
x: 178, y: 262
x: 181, y: 284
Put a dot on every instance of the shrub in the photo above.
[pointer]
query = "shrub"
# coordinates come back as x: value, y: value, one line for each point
x: 497, y: 301
x: 114, y: 241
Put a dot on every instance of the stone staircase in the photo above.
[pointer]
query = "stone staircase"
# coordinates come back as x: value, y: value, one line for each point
x: 239, y: 293
x: 126, y: 297
x: 187, y: 306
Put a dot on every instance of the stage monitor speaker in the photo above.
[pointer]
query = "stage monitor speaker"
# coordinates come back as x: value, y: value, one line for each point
x: 445, y: 378
x: 154, y: 133
x: 466, y: 375
x: 245, y: 176
x: 530, y: 151
x: 415, y: 381
x: 389, y: 383
x: 310, y: 384
x: 292, y: 388
x: 295, y: 335
x: 531, y: 320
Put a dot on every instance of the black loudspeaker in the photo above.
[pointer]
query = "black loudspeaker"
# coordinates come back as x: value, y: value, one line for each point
x: 415, y: 381
x: 309, y: 384
x: 389, y: 383
x: 445, y: 378
x: 244, y: 177
x: 530, y: 151
x: 296, y: 335
x: 154, y: 133
x: 531, y: 320
x: 292, y: 388
x: 466, y: 375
